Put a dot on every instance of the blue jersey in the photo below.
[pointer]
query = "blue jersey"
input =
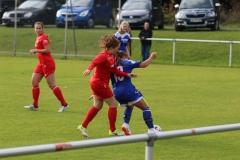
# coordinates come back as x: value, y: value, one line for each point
x: 124, y: 91
x: 124, y: 40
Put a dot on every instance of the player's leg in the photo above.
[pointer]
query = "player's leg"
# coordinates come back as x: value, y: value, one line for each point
x: 112, y: 116
x: 57, y: 91
x: 36, y: 78
x: 126, y: 119
x: 147, y: 115
x: 128, y: 100
x: 92, y: 112
x: 146, y: 112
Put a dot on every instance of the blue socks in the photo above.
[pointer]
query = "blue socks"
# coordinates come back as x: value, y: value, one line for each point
x: 127, y: 115
x: 147, y: 116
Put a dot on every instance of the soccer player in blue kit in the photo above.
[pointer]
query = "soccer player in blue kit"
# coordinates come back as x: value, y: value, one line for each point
x: 124, y: 37
x: 127, y: 94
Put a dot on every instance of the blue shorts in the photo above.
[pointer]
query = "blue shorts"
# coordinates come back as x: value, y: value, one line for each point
x: 129, y: 98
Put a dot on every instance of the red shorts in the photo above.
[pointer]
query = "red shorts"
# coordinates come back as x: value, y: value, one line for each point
x: 45, y: 69
x: 102, y: 91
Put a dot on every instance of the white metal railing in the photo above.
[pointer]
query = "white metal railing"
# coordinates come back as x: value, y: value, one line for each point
x: 194, y: 40
x: 148, y: 138
x: 157, y: 39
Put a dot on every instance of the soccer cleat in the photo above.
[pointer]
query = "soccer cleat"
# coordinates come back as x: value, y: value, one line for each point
x: 157, y: 127
x: 116, y: 133
x: 31, y: 107
x: 83, y: 130
x: 63, y: 108
x: 153, y: 130
x: 126, y: 129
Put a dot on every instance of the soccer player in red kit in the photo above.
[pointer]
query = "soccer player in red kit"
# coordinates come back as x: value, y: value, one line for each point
x: 105, y: 64
x: 45, y: 68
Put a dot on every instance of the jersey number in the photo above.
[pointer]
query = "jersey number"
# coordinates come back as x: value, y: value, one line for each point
x: 119, y: 78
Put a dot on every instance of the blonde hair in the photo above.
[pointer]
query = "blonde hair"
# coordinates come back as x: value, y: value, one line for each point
x: 121, y: 25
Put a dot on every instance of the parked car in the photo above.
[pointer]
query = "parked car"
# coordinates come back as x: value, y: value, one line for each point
x: 136, y: 12
x: 197, y: 14
x: 32, y: 11
x: 6, y: 5
x: 85, y: 13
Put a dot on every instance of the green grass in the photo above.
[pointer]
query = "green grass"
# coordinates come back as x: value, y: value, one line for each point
x: 187, y: 53
x: 180, y: 97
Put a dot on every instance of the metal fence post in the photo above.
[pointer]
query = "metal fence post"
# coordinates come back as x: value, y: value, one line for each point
x: 66, y: 32
x: 149, y: 146
x: 174, y: 51
x: 15, y: 30
x: 230, y: 54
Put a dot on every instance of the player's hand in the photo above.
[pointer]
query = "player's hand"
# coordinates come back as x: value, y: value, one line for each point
x: 90, y: 97
x: 154, y: 55
x: 132, y: 75
x: 32, y: 51
x: 86, y: 72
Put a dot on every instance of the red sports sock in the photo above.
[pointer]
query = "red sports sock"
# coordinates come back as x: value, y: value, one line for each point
x: 35, y: 95
x: 58, y: 93
x: 112, y: 117
x: 92, y: 112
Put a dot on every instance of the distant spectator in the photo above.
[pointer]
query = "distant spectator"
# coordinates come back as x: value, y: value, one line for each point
x: 145, y: 33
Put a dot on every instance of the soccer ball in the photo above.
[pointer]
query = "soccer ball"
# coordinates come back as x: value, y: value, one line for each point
x: 157, y: 127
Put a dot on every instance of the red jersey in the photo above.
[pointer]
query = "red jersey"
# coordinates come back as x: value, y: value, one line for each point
x: 41, y: 41
x: 105, y: 64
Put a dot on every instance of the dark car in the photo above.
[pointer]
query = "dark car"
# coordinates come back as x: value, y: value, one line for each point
x: 197, y: 14
x: 32, y: 11
x: 85, y: 13
x: 6, y: 5
x: 136, y: 12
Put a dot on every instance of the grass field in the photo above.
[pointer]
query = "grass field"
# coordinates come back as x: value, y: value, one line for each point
x: 180, y: 97
x: 187, y: 53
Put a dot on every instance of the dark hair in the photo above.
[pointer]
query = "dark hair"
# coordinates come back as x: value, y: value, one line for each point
x: 108, y: 41
x: 119, y: 55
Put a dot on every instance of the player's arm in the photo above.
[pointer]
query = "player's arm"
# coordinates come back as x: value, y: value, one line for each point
x: 128, y: 50
x: 121, y: 73
x: 47, y: 49
x: 97, y: 60
x: 145, y: 63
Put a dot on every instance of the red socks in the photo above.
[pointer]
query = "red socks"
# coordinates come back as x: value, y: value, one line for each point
x: 112, y: 117
x: 56, y: 90
x: 35, y: 95
x: 92, y: 112
x: 58, y: 93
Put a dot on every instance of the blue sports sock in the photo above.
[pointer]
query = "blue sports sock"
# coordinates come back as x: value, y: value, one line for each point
x: 147, y: 116
x: 127, y: 115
